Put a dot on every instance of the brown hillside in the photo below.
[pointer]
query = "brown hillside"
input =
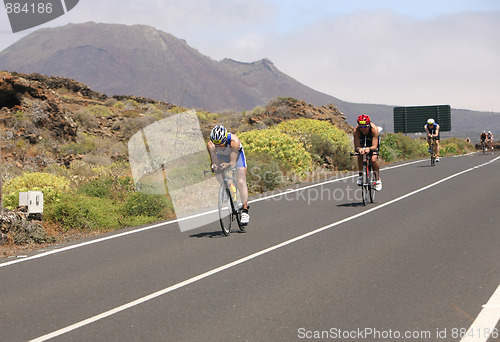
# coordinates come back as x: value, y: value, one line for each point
x: 55, y: 120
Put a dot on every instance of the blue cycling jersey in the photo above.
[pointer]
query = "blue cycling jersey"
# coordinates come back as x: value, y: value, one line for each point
x: 225, y: 151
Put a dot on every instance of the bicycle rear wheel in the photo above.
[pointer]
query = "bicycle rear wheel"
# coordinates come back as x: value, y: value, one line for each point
x: 225, y: 210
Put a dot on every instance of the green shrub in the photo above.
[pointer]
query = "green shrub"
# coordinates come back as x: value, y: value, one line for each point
x: 119, y: 105
x: 394, y: 147
x: 449, y: 149
x: 324, y: 141
x: 86, y: 119
x: 96, y: 188
x: 100, y: 110
x: 287, y: 150
x: 389, y: 150
x: 263, y: 173
x: 75, y: 211
x: 459, y: 145
x: 86, y: 143
x: 151, y: 205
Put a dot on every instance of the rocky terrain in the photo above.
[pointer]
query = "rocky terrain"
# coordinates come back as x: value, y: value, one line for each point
x: 39, y: 115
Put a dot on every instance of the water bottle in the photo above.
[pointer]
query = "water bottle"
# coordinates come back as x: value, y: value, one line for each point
x: 232, y: 189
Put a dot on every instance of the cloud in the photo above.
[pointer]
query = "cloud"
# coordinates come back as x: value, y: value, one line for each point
x: 382, y: 57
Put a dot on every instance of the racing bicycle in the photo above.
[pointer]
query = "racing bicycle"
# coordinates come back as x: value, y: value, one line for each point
x: 369, y: 177
x: 230, y: 207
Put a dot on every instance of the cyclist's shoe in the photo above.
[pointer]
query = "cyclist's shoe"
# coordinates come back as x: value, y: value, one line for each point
x: 378, y: 185
x: 437, y: 159
x: 245, y: 218
x: 360, y: 180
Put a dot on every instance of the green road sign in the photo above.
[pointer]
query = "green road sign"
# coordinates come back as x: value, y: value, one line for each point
x: 413, y: 119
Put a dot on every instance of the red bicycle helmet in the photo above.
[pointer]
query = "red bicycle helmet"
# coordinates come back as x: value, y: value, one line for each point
x: 363, y: 120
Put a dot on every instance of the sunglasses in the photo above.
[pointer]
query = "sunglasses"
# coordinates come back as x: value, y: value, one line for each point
x: 365, y: 126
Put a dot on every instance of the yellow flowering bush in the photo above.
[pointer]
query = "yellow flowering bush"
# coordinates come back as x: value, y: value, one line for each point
x: 323, y: 140
x: 287, y: 150
x: 50, y: 185
x: 303, y: 129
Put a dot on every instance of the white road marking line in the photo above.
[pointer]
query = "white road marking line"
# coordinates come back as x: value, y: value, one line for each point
x: 485, y: 322
x: 490, y: 317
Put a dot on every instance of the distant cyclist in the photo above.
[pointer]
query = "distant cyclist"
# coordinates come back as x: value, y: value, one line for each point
x: 226, y: 151
x: 489, y: 139
x: 432, y: 130
x: 483, y: 138
x: 366, y: 140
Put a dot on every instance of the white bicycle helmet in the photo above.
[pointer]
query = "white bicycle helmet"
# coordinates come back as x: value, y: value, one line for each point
x: 218, y: 135
x: 431, y: 122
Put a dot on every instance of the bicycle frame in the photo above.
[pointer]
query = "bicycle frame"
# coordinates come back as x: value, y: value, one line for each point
x: 369, y: 178
x: 229, y: 208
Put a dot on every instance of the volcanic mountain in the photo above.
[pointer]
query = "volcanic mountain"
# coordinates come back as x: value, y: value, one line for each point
x: 140, y: 60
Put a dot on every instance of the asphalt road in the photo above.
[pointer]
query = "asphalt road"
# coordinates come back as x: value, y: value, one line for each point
x: 416, y: 265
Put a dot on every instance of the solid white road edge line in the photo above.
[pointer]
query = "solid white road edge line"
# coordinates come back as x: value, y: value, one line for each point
x: 129, y: 305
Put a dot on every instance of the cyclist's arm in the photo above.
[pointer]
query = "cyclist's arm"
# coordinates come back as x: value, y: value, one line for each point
x: 357, y: 143
x: 427, y: 131
x: 212, y: 154
x: 235, y: 150
x: 437, y: 131
x: 374, y: 146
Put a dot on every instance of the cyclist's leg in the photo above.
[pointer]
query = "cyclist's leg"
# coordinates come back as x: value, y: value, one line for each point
x: 375, y: 165
x: 437, y: 146
x: 360, y: 164
x: 360, y: 170
x: 241, y: 178
x: 376, y: 171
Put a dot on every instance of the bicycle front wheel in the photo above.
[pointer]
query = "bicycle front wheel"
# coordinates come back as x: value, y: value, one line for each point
x: 371, y: 186
x: 225, y: 210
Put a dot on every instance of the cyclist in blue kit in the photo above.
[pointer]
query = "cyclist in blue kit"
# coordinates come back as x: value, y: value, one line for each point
x: 226, y: 150
x: 432, y: 130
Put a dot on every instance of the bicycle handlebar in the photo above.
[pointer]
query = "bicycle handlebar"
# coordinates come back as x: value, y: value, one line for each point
x: 219, y: 171
x: 359, y: 154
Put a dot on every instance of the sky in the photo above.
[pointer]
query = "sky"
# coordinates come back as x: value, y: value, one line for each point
x: 392, y: 52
